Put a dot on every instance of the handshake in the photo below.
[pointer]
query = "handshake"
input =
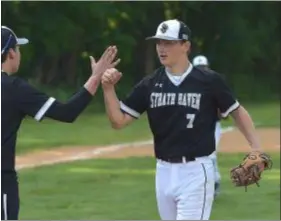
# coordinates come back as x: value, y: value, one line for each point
x: 110, y: 77
x: 104, y: 70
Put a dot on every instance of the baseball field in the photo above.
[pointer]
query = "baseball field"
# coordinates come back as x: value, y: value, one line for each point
x: 87, y: 170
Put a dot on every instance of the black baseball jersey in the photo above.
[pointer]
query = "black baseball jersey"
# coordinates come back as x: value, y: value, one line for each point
x: 19, y: 99
x: 207, y: 68
x: 182, y: 110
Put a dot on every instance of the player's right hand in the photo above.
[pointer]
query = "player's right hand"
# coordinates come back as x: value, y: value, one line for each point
x: 110, y: 77
x: 105, y: 62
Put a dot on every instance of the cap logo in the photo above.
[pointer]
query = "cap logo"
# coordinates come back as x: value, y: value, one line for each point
x: 164, y: 28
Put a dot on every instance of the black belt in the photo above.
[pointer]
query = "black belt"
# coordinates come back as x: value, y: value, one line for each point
x: 182, y: 159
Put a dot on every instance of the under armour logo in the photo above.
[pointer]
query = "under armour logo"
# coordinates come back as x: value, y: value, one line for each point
x: 158, y: 85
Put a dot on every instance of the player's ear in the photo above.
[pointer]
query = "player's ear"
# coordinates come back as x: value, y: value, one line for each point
x: 186, y: 45
x: 12, y: 53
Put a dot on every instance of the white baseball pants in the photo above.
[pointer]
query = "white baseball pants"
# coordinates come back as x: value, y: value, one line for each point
x: 185, y: 191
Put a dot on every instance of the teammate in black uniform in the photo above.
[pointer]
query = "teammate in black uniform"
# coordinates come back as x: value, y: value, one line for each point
x: 20, y: 99
x: 181, y: 102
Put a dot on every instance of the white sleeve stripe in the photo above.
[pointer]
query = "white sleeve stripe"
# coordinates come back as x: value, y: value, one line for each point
x: 230, y: 109
x: 129, y: 110
x: 44, y: 108
x: 5, y: 196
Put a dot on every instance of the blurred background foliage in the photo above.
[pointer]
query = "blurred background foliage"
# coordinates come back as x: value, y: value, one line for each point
x: 241, y: 40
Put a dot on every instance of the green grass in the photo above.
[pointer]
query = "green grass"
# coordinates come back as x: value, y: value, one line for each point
x: 124, y: 189
x: 94, y: 129
x: 263, y: 114
x: 87, y: 130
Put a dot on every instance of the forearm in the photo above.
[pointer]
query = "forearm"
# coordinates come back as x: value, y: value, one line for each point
x: 92, y: 84
x: 112, y: 104
x: 69, y: 111
x: 245, y: 124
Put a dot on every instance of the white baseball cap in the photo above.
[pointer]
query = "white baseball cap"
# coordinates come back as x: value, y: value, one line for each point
x: 173, y: 30
x: 200, y: 60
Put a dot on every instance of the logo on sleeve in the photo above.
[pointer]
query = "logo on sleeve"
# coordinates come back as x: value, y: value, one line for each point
x: 158, y: 85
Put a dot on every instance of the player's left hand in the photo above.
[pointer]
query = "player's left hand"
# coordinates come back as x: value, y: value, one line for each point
x: 250, y: 170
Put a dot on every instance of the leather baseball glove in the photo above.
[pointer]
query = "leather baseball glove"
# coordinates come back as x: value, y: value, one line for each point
x: 250, y: 170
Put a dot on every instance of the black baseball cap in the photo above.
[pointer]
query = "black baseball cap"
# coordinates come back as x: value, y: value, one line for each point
x: 173, y: 30
x: 9, y: 39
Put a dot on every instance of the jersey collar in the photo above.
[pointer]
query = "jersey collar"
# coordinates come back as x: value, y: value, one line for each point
x: 4, y: 72
x: 177, y: 80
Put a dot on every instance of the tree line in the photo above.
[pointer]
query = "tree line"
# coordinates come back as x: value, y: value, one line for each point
x: 241, y: 40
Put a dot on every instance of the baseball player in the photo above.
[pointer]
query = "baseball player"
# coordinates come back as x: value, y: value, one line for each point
x: 19, y: 99
x: 181, y: 102
x: 201, y: 61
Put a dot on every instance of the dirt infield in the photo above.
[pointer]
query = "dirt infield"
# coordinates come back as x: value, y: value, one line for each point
x: 231, y: 141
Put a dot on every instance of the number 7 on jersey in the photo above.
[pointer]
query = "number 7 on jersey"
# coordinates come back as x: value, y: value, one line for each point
x: 190, y: 118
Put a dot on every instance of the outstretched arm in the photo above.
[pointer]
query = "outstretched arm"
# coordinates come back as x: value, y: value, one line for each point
x: 37, y: 104
x: 69, y: 111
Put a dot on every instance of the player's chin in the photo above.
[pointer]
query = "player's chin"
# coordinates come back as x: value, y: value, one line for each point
x: 164, y: 62
x: 15, y: 68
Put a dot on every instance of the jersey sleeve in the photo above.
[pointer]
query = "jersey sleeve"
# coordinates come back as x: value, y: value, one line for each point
x: 224, y: 96
x: 136, y: 102
x: 31, y: 101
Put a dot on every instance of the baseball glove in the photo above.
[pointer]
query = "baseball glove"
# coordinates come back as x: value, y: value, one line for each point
x: 250, y: 170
